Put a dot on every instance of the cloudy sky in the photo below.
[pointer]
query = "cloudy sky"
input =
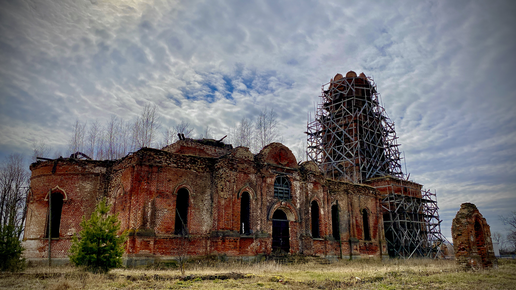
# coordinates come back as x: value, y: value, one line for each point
x: 445, y: 70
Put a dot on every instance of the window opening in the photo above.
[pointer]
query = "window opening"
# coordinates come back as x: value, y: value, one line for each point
x: 245, y: 211
x: 335, y: 221
x: 55, y: 215
x: 315, y: 219
x: 282, y: 187
x: 365, y: 222
x: 181, y: 212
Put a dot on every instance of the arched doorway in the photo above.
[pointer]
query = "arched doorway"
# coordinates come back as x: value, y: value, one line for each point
x: 280, y: 232
x: 181, y: 223
x: 245, y: 211
x: 365, y: 223
x: 315, y: 219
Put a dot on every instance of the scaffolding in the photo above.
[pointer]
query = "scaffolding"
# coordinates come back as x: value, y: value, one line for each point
x: 437, y: 242
x: 351, y: 137
x: 412, y: 225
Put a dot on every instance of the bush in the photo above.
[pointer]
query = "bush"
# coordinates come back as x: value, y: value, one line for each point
x: 10, y: 250
x: 99, y: 249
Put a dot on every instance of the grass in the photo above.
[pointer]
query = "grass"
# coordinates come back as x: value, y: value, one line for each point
x: 310, y: 274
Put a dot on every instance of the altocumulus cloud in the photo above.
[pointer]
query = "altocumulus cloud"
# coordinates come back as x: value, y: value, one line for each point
x: 444, y: 69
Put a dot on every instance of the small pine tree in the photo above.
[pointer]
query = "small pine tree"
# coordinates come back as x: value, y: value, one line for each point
x: 10, y: 250
x: 99, y: 249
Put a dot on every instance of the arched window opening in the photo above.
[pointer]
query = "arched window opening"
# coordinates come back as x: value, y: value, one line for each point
x: 181, y: 212
x: 335, y: 221
x: 54, y: 221
x: 315, y: 219
x: 245, y: 212
x: 282, y: 187
x: 365, y: 222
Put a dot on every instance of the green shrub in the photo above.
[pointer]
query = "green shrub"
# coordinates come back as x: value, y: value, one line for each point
x: 10, y: 250
x: 99, y: 249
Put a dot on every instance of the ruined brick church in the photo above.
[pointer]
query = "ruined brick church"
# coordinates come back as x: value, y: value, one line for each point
x: 204, y: 197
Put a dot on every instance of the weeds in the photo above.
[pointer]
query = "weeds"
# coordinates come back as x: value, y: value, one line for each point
x: 358, y: 274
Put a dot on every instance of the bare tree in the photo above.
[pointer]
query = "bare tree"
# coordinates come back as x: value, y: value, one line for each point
x: 101, y: 146
x: 167, y: 137
x: 124, y: 144
x: 244, y: 134
x: 77, y: 141
x: 13, y: 185
x: 92, y: 139
x: 267, y: 128
x: 13, y: 188
x: 39, y: 149
x: 183, y: 128
x: 144, y: 127
x: 498, y: 238
x: 510, y: 221
x: 111, y: 136
x: 58, y: 153
x: 207, y: 132
x: 301, y: 153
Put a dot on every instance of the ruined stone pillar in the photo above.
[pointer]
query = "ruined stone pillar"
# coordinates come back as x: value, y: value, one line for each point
x: 472, y: 239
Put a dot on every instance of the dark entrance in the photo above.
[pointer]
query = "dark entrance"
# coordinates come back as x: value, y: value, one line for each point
x: 181, y: 212
x: 244, y: 214
x: 280, y: 232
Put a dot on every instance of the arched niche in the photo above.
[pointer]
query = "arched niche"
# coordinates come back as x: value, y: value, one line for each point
x: 285, y: 206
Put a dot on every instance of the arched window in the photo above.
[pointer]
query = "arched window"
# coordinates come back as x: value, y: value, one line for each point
x: 181, y: 212
x: 315, y: 219
x: 335, y: 221
x: 54, y: 221
x: 245, y: 211
x: 282, y: 187
x: 365, y: 222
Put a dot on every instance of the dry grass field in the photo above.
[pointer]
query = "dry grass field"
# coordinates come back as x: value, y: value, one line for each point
x: 306, y: 274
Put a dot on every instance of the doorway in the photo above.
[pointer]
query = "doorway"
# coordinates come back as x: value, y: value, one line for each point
x: 280, y: 233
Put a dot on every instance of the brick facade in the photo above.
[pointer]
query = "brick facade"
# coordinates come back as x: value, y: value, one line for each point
x: 215, y: 179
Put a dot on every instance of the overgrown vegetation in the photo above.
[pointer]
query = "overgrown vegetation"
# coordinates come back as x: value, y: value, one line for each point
x: 99, y: 249
x: 13, y: 189
x: 311, y: 274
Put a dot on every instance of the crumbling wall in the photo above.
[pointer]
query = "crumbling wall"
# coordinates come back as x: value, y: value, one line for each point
x: 143, y: 187
x: 352, y: 200
x: 472, y: 238
x: 81, y: 184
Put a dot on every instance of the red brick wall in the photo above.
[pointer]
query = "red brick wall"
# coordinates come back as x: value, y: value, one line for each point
x: 142, y: 189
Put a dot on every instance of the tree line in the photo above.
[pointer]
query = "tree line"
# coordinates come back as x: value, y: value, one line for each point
x: 119, y: 137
